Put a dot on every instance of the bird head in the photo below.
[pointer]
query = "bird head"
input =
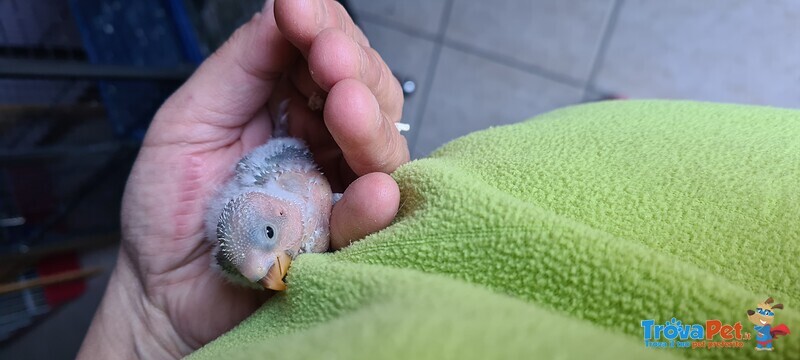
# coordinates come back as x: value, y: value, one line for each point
x: 255, y: 232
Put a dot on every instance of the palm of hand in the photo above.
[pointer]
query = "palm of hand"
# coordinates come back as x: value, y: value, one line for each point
x: 172, y: 255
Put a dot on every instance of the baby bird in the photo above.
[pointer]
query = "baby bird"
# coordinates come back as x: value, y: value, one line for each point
x: 276, y: 206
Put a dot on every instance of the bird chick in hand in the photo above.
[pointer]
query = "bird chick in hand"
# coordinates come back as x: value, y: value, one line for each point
x: 276, y: 206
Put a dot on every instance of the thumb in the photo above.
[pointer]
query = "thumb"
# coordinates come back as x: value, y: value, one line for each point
x: 369, y: 204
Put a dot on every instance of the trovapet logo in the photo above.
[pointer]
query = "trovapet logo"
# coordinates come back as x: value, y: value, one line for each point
x: 714, y: 334
x: 711, y: 334
x: 762, y: 319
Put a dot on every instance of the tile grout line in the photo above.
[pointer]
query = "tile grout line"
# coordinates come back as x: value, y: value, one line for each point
x: 440, y: 41
x: 600, y: 53
x: 437, y: 50
x: 472, y: 50
x: 393, y: 25
x: 513, y: 63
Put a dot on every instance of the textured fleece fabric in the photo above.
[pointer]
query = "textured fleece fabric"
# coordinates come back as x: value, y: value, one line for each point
x: 555, y: 238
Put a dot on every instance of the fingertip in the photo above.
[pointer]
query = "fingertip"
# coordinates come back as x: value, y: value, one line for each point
x: 352, y: 114
x: 368, y: 205
x: 301, y: 20
x: 297, y: 21
x: 369, y: 141
x: 333, y: 57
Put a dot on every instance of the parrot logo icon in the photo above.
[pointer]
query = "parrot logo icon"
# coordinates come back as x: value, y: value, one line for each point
x: 762, y: 319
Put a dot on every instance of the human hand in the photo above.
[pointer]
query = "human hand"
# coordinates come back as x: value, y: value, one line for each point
x: 163, y: 299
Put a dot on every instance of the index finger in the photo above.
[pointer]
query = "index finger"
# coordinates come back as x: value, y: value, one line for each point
x: 302, y: 20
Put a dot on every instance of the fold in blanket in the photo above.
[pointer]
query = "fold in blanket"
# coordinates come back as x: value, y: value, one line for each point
x: 556, y: 238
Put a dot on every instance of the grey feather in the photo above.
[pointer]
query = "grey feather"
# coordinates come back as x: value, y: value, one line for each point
x: 251, y: 173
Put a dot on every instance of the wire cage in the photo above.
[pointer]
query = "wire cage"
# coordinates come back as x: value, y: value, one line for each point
x: 79, y: 82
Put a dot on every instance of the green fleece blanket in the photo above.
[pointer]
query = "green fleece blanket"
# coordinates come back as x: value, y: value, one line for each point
x: 557, y: 238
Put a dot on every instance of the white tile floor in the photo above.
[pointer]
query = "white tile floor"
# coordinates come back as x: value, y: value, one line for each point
x: 498, y: 62
x: 554, y: 35
x: 407, y: 56
x: 470, y: 93
x: 726, y: 51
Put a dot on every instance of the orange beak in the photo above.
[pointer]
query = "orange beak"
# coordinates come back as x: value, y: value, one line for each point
x: 276, y: 273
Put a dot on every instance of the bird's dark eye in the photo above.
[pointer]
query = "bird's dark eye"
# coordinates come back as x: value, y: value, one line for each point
x: 270, y: 231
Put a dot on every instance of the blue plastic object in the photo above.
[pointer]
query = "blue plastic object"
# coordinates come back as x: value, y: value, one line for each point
x: 139, y: 33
